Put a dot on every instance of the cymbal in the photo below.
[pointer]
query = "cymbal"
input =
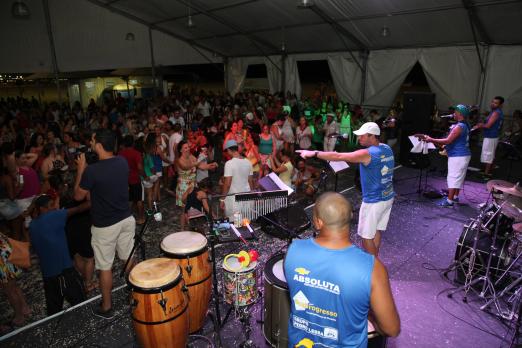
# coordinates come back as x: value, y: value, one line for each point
x: 498, y: 185
x: 516, y: 190
x: 511, y: 211
x: 517, y: 227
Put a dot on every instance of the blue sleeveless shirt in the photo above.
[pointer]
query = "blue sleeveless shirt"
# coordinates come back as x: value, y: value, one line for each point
x: 494, y: 131
x: 329, y: 295
x: 460, y: 146
x: 377, y: 176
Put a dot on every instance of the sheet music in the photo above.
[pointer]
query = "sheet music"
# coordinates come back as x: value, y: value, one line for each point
x: 337, y: 166
x: 415, y: 142
x: 279, y: 183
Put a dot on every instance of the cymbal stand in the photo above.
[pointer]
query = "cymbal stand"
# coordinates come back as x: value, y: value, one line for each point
x: 495, y: 298
x: 487, y: 284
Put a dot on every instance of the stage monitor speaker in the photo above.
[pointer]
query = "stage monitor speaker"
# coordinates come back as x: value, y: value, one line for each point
x: 416, y: 118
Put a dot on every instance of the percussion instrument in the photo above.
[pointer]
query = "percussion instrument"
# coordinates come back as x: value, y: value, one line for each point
x: 251, y: 205
x: 190, y: 251
x: 239, y: 282
x: 500, y: 259
x: 159, y: 304
x: 277, y: 307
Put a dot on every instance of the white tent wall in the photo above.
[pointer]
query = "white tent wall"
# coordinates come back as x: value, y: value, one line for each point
x: 25, y: 45
x: 238, y: 66
x: 504, y: 77
x: 346, y: 76
x: 386, y: 71
x: 453, y: 74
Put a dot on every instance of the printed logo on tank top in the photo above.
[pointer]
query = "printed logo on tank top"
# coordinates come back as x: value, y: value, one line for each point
x: 314, y: 329
x: 301, y: 303
x: 303, y: 278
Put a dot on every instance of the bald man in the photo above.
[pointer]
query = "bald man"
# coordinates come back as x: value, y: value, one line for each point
x: 335, y: 287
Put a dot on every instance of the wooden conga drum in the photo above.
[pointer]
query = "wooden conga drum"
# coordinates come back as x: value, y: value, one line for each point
x: 159, y: 304
x: 190, y: 251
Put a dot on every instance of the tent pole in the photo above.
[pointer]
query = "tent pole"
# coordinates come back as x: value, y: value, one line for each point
x: 225, y: 72
x: 483, y: 76
x: 152, y: 64
x: 364, y: 55
x: 45, y: 4
x: 283, y: 75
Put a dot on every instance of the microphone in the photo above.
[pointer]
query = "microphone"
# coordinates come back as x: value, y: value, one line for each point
x: 339, y: 136
x: 447, y: 116
x: 158, y: 217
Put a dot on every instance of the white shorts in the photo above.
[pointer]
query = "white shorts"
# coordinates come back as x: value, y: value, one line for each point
x: 489, y: 146
x: 106, y: 241
x: 457, y: 168
x: 373, y: 217
x: 150, y: 182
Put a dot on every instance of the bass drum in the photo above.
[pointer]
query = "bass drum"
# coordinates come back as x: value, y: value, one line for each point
x: 499, y: 261
x: 277, y: 307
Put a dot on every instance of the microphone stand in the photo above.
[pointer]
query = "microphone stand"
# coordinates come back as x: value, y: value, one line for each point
x: 138, y: 242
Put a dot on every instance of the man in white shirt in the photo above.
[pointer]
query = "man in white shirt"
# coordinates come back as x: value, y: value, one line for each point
x: 203, y: 107
x: 330, y: 128
x: 237, y: 177
x: 177, y: 118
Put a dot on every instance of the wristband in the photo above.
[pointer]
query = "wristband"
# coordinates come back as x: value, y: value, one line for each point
x: 315, y: 154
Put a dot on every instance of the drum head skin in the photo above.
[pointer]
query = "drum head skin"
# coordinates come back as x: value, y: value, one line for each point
x: 232, y: 265
x: 274, y: 271
x: 184, y: 242
x: 154, y: 273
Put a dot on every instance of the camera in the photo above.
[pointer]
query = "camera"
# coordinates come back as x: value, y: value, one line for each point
x: 90, y: 156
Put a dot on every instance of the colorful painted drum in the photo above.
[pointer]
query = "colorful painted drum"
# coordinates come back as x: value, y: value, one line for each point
x: 240, y: 283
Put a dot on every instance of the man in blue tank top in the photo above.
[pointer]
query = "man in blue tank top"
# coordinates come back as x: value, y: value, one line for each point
x: 335, y: 287
x: 376, y: 164
x: 492, y: 129
x: 459, y: 154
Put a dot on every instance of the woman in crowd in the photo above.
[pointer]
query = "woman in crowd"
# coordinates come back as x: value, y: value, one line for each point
x: 186, y: 166
x: 283, y: 167
x: 252, y: 154
x: 8, y: 275
x: 149, y: 168
x: 303, y: 134
x: 267, y: 148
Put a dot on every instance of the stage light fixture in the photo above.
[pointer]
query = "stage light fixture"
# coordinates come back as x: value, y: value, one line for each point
x: 385, y: 31
x: 130, y: 37
x: 305, y: 4
x: 20, y: 10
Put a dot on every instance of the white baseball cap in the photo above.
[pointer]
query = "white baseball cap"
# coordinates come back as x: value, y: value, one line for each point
x: 368, y: 128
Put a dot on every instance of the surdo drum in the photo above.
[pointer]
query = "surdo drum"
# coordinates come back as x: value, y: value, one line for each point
x: 159, y: 304
x: 190, y: 251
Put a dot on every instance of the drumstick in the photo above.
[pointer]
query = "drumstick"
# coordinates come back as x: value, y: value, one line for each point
x: 238, y: 234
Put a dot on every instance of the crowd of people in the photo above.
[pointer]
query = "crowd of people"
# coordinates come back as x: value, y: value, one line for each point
x: 172, y: 146
x: 71, y: 166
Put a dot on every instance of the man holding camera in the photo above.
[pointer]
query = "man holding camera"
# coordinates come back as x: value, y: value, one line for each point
x: 113, y: 225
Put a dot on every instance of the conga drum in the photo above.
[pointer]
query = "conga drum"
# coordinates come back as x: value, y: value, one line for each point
x: 190, y: 251
x: 159, y: 304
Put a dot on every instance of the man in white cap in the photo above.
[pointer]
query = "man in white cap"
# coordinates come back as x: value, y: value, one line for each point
x: 376, y: 164
x: 237, y: 177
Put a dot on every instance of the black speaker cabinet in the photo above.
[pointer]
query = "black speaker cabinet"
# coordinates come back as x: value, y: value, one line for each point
x: 416, y: 118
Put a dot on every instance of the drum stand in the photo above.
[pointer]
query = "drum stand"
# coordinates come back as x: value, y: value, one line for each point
x: 244, y: 318
x: 487, y: 284
x: 215, y: 293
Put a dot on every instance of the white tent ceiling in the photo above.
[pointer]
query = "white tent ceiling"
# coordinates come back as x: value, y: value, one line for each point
x: 87, y: 30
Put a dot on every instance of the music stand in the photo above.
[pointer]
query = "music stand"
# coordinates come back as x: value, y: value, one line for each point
x: 337, y: 166
x: 419, y: 159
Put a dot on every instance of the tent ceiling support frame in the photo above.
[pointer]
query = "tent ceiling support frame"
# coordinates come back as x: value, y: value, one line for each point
x: 196, y: 46
x: 342, y: 32
x: 224, y: 7
x: 475, y: 22
x: 152, y: 64
x: 365, y: 17
x: 256, y: 41
x: 47, y: 14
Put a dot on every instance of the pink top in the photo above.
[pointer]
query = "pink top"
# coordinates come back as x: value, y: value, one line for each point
x: 31, y: 183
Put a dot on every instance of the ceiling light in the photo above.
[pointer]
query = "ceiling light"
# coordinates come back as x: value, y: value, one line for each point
x: 130, y: 37
x: 20, y: 10
x: 305, y: 4
x: 385, y: 32
x: 190, y: 23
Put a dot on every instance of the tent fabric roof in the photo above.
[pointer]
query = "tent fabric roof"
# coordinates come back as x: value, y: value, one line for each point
x: 258, y: 27
x: 90, y: 34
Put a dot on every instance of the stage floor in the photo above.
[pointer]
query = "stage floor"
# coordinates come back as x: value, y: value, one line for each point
x: 420, y: 240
